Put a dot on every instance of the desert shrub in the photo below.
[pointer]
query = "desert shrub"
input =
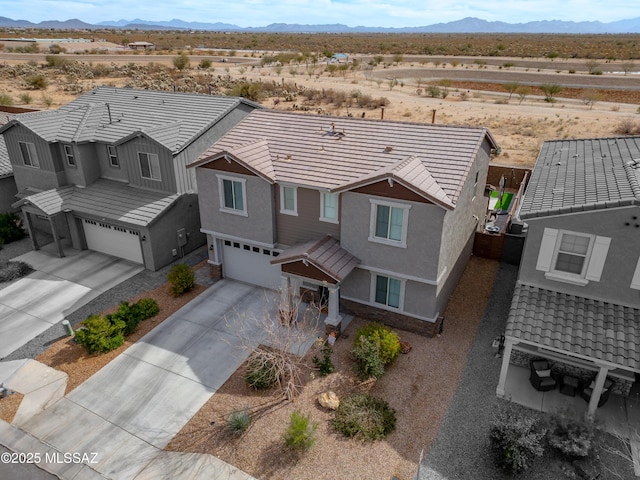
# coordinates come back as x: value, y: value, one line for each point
x: 132, y: 315
x: 55, y: 61
x: 571, y: 437
x: 12, y: 270
x: 181, y: 279
x: 36, y: 82
x: 387, y: 339
x: 627, y: 127
x: 181, y: 61
x: 101, y: 334
x: 249, y: 90
x: 205, y: 63
x: 516, y: 440
x: 6, y: 100
x: 368, y: 360
x: 325, y: 366
x: 434, y: 91
x: 301, y: 432
x: 10, y: 228
x: 260, y: 373
x: 146, y: 308
x: 239, y: 421
x: 362, y: 415
x: 25, y: 98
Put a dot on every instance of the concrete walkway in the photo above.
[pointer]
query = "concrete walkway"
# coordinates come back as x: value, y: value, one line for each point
x: 59, y: 286
x: 128, y: 411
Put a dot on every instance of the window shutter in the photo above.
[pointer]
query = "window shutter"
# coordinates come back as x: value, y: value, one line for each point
x: 635, y: 281
x: 598, y: 257
x: 547, y: 247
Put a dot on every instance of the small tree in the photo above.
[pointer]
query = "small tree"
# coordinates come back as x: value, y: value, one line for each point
x: 511, y: 88
x: 550, y: 91
x: 522, y: 91
x: 181, y: 61
x: 627, y: 67
x: 301, y: 432
x: 592, y: 66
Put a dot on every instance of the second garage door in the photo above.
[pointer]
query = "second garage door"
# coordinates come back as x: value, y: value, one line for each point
x: 112, y: 240
x: 250, y: 264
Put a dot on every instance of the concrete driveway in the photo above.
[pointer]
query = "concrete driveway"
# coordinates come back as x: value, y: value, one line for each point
x: 58, y: 287
x: 130, y: 410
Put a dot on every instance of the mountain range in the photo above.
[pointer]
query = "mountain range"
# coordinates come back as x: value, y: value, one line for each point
x: 466, y: 25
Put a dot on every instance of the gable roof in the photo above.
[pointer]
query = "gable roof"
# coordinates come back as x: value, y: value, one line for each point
x: 583, y: 327
x: 109, y: 115
x: 579, y: 175
x: 6, y: 170
x: 106, y: 199
x: 338, y: 153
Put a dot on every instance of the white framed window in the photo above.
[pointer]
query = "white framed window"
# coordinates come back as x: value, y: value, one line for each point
x: 68, y: 154
x: 329, y: 207
x: 29, y: 154
x: 388, y: 223
x: 113, y: 156
x: 149, y: 166
x: 572, y: 257
x: 387, y: 291
x: 288, y: 200
x: 233, y: 195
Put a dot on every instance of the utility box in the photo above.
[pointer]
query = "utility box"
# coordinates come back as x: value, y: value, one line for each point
x: 182, y: 237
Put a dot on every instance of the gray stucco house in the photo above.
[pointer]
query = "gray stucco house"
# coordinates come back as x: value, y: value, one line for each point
x: 107, y: 172
x: 8, y: 188
x: 377, y: 217
x: 576, y: 302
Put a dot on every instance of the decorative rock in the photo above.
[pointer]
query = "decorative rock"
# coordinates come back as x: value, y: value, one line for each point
x: 405, y: 347
x: 329, y: 400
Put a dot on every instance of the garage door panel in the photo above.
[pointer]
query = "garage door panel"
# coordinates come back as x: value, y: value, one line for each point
x: 112, y: 240
x: 249, y: 264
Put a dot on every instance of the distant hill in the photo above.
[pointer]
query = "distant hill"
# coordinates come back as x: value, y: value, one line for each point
x: 466, y: 25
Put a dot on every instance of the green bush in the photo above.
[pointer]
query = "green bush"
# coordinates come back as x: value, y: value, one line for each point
x: 6, y: 100
x: 301, y: 432
x: 325, y: 365
x: 146, y: 308
x: 205, y: 63
x: 12, y: 270
x: 181, y: 61
x: 365, y: 416
x: 101, y: 334
x: 181, y: 279
x: 516, y: 440
x: 388, y: 340
x: 260, y: 373
x: 132, y: 315
x: 367, y: 355
x: 239, y: 421
x: 571, y: 437
x: 10, y: 228
x: 36, y: 82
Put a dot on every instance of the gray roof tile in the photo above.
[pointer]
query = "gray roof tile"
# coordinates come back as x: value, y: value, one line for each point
x: 109, y: 114
x: 578, y: 175
x: 580, y: 326
x: 337, y: 153
x: 106, y: 199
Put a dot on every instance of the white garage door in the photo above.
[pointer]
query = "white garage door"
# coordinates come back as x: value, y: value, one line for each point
x: 117, y: 241
x: 250, y: 264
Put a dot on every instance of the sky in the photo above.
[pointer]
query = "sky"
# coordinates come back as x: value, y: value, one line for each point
x: 378, y: 13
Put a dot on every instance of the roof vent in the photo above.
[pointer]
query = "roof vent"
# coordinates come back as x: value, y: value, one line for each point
x: 388, y: 148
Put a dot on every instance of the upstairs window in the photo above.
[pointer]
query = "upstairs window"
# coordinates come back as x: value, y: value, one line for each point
x: 233, y: 197
x: 389, y: 223
x: 149, y: 166
x: 113, y: 156
x: 288, y: 200
x: 329, y: 207
x: 29, y: 155
x: 68, y: 154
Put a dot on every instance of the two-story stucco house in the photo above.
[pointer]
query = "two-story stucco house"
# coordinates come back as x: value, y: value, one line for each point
x: 7, y: 183
x: 108, y: 171
x: 577, y: 299
x: 378, y: 217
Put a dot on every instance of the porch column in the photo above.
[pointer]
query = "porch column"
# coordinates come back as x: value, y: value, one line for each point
x: 30, y: 230
x: 286, y: 311
x: 506, y: 357
x: 597, y: 392
x: 56, y: 238
x: 334, y: 319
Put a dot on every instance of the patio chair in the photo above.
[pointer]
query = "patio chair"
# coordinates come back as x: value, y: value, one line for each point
x: 604, y: 396
x: 541, y: 377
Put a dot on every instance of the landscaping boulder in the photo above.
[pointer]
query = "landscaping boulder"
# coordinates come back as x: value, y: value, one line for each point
x: 329, y: 400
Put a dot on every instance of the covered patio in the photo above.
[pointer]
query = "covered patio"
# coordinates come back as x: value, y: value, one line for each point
x: 590, y: 346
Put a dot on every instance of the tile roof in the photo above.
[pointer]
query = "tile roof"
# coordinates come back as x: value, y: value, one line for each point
x: 109, y: 114
x: 6, y: 170
x: 106, y: 199
x: 335, y: 153
x: 579, y: 326
x: 578, y: 175
x: 325, y: 254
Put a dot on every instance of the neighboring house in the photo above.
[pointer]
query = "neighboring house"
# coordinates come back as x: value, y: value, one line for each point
x: 577, y: 300
x: 339, y: 58
x: 8, y: 189
x: 376, y: 217
x: 141, y: 46
x: 108, y: 170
